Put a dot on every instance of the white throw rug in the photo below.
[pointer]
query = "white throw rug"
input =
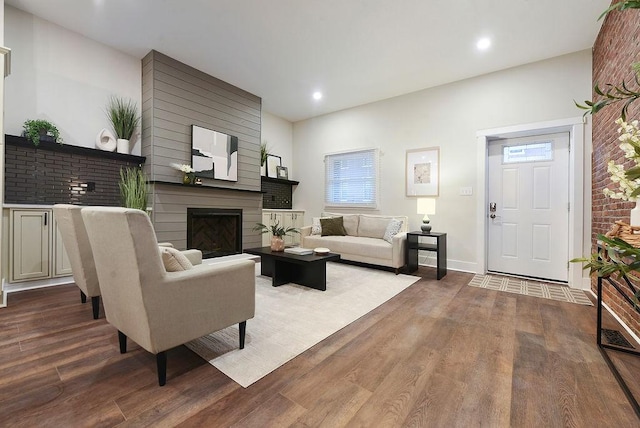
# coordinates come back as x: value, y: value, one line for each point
x: 291, y: 319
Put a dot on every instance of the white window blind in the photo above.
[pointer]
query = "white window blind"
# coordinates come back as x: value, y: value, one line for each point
x: 351, y: 179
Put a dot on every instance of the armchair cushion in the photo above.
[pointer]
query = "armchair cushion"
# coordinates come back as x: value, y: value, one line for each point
x: 174, y: 260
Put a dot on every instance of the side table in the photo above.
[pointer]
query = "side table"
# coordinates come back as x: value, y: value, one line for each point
x: 413, y: 247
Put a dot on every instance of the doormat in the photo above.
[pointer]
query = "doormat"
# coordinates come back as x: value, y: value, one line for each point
x: 614, y: 337
x: 531, y: 288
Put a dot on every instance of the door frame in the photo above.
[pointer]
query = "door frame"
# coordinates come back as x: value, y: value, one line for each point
x: 579, y: 214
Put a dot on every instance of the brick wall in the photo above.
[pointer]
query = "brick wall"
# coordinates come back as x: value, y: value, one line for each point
x: 53, y: 173
x: 616, y: 48
x: 278, y: 194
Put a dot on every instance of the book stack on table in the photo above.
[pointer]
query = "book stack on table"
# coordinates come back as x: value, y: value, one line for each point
x: 298, y: 251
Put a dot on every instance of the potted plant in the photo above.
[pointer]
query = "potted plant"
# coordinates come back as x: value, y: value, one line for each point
x: 123, y: 116
x: 277, y: 234
x: 264, y: 153
x: 38, y: 130
x: 133, y: 188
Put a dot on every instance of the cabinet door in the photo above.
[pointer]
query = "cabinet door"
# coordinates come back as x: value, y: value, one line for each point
x: 298, y: 223
x: 61, y: 266
x: 287, y: 222
x: 31, y: 243
x: 294, y: 219
x: 269, y: 218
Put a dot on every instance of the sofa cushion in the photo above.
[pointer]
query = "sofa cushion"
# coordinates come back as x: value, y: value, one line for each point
x: 332, y: 226
x: 174, y: 260
x: 349, y: 221
x: 393, y: 228
x: 373, y: 226
x: 372, y: 247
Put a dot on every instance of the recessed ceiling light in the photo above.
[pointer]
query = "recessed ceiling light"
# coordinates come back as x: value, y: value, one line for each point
x: 317, y: 95
x: 484, y: 43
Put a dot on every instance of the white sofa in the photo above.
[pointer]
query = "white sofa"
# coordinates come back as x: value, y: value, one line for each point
x: 363, y: 241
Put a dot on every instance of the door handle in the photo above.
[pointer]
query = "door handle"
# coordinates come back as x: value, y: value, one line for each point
x: 492, y: 209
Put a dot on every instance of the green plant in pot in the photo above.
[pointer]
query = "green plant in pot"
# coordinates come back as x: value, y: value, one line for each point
x: 124, y: 119
x: 277, y: 234
x: 133, y: 188
x: 264, y: 153
x: 38, y: 130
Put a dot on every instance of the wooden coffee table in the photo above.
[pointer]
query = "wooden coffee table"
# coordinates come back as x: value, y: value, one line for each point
x: 310, y: 271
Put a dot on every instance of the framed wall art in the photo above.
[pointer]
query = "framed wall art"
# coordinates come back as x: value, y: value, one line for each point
x: 273, y: 162
x: 422, y: 172
x: 214, y: 154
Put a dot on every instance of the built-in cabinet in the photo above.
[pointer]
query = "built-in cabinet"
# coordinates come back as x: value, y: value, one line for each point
x: 286, y: 218
x: 36, y: 250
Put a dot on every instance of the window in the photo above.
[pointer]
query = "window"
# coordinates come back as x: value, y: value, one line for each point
x: 540, y: 151
x: 351, y: 179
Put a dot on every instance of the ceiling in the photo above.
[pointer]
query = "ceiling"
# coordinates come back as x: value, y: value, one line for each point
x: 353, y: 51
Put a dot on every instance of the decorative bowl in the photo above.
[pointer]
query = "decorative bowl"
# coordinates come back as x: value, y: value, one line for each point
x: 321, y: 251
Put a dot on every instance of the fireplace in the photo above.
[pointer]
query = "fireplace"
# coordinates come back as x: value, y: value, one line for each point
x: 214, y: 231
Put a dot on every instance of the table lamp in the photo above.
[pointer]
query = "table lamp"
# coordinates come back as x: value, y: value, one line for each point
x: 426, y: 206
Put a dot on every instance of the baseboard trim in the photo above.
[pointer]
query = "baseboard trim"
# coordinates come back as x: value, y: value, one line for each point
x: 429, y: 260
x: 14, y: 287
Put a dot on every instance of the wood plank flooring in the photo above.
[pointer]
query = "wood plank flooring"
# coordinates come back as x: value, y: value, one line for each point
x: 440, y: 354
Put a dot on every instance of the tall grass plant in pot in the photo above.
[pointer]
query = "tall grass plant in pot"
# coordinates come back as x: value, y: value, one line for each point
x: 123, y: 116
x: 133, y: 188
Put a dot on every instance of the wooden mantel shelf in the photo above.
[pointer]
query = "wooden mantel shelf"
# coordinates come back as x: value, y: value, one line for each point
x: 70, y: 149
x: 203, y: 186
x: 279, y: 180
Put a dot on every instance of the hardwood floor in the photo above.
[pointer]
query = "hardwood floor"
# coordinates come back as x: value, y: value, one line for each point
x: 440, y: 354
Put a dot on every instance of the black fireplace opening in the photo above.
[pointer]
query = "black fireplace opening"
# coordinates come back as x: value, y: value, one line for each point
x: 216, y: 232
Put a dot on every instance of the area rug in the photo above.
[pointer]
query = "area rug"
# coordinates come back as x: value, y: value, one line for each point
x: 291, y: 319
x: 531, y: 288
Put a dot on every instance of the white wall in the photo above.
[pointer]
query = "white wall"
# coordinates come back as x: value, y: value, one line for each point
x: 449, y: 117
x: 63, y: 77
x: 278, y: 133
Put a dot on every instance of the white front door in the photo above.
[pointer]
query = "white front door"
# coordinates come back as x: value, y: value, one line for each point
x: 529, y: 223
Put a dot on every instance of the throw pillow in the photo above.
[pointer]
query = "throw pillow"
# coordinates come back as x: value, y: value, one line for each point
x: 316, y: 229
x: 349, y: 221
x: 174, y: 260
x: 393, y: 228
x: 332, y: 226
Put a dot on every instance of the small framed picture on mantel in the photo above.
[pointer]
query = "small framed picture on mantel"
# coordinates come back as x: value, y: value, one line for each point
x: 282, y: 172
x: 273, y: 162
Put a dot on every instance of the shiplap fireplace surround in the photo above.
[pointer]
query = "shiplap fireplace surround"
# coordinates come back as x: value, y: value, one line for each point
x: 176, y: 96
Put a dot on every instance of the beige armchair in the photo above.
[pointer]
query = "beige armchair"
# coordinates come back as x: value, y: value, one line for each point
x: 158, y: 309
x: 76, y: 242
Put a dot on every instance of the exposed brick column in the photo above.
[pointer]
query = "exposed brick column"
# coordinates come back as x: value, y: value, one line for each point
x: 616, y: 48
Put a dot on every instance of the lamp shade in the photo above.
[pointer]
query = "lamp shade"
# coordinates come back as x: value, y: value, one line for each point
x: 426, y: 206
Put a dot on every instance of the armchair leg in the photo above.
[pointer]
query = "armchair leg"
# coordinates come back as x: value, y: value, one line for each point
x: 83, y: 297
x: 161, y: 361
x: 243, y: 330
x: 122, y: 338
x: 95, y: 305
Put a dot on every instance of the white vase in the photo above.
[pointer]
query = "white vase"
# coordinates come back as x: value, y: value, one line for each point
x: 123, y: 146
x: 635, y: 215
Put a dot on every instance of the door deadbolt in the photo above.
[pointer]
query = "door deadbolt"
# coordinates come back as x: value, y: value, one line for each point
x: 492, y: 209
